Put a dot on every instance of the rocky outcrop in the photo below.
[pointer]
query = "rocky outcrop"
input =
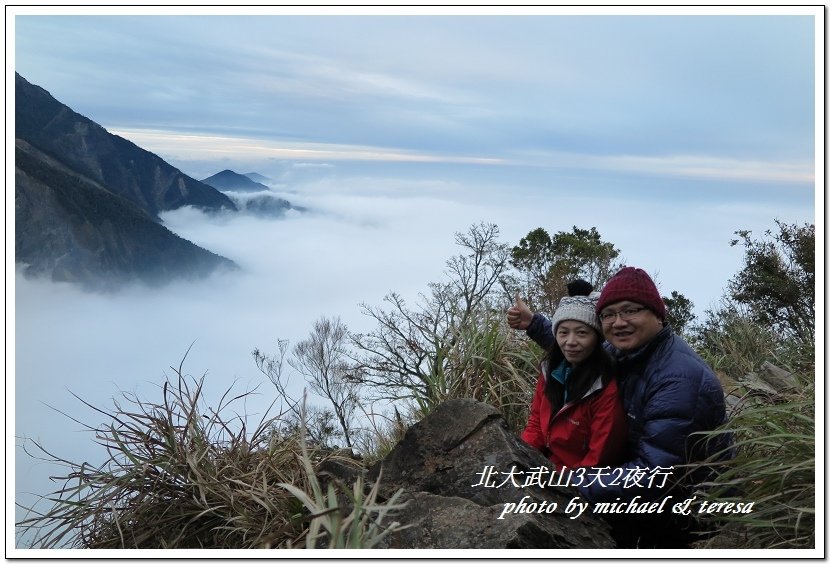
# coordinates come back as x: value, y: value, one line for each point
x: 770, y: 382
x: 444, y: 465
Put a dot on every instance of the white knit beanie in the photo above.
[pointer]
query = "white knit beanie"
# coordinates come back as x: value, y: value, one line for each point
x: 578, y: 308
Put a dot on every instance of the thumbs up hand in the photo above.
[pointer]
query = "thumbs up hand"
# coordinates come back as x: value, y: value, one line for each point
x: 519, y: 315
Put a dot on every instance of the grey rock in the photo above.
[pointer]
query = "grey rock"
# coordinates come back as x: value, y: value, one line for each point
x: 442, y: 522
x: 755, y: 383
x: 776, y: 377
x: 439, y: 464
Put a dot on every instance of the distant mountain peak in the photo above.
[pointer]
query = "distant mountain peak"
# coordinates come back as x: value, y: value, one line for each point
x: 233, y: 181
x: 257, y: 177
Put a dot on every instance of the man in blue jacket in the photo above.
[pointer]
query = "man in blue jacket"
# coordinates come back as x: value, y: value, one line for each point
x: 669, y: 393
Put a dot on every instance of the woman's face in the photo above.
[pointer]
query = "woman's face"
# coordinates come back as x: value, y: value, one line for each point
x: 576, y: 340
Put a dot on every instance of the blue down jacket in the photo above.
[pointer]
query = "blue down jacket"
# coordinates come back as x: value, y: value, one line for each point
x: 669, y: 393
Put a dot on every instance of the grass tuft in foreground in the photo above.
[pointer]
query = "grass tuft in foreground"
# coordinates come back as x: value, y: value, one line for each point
x: 179, y: 475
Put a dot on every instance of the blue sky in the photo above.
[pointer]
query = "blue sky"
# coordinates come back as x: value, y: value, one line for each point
x: 667, y: 133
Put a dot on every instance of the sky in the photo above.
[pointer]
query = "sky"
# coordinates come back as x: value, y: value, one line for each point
x: 667, y: 130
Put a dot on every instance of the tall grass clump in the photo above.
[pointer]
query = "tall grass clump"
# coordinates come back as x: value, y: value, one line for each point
x: 733, y: 344
x: 773, y: 428
x: 332, y: 524
x: 495, y: 365
x: 483, y: 359
x: 179, y: 474
x: 774, y: 467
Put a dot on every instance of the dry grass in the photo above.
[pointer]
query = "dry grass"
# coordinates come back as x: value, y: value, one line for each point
x: 179, y: 475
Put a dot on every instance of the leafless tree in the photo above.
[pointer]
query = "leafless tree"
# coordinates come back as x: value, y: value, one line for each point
x: 318, y: 422
x: 272, y: 367
x: 409, y: 353
x: 322, y: 359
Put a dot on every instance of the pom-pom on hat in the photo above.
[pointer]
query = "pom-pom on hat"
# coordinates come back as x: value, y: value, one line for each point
x: 579, y: 287
x: 579, y: 305
x: 633, y: 285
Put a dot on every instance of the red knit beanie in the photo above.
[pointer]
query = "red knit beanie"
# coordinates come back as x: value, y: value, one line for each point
x: 633, y: 285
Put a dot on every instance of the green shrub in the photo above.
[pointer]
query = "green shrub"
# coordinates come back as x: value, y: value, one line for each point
x: 732, y: 343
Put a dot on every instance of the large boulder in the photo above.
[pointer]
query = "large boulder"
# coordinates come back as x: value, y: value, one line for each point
x: 449, y: 466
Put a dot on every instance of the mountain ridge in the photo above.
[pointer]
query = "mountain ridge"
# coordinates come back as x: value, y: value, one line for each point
x: 87, y: 202
x: 123, y: 167
x: 93, y: 236
x: 257, y: 177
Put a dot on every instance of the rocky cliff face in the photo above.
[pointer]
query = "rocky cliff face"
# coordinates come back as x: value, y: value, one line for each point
x: 442, y: 465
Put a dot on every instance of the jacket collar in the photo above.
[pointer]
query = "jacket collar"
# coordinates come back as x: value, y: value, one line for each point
x: 596, y: 385
x: 644, y: 352
x: 565, y: 368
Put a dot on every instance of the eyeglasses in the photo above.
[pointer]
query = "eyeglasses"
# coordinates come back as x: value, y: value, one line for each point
x: 625, y: 315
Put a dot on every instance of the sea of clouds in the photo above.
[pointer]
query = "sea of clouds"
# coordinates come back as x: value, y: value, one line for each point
x: 363, y: 236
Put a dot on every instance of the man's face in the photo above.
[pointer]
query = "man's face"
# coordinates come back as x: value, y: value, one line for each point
x: 632, y: 328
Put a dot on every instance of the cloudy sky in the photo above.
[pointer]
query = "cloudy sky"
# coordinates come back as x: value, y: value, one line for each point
x: 666, y: 130
x: 716, y: 97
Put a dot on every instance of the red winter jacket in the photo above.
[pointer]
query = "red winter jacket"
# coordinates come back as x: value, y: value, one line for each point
x: 590, y: 431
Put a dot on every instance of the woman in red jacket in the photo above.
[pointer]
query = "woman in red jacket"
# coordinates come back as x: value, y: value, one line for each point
x: 577, y: 418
